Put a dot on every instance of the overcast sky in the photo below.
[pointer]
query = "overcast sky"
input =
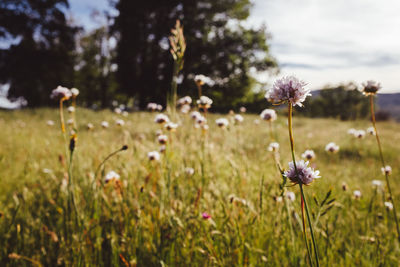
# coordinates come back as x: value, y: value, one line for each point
x: 321, y: 41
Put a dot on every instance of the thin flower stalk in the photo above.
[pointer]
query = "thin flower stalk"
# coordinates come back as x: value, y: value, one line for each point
x: 371, y: 98
x: 304, y: 206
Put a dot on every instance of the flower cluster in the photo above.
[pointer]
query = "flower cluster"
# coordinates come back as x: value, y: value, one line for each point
x: 371, y: 88
x: 222, y: 122
x: 204, y: 102
x: 301, y: 173
x: 268, y: 115
x: 61, y: 93
x: 288, y: 89
x: 186, y: 100
x: 201, y: 79
x: 273, y: 147
x: 332, y: 147
x: 308, y: 155
x: 161, y: 118
x: 154, y: 107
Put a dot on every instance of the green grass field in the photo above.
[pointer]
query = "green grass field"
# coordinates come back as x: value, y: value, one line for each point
x: 152, y: 216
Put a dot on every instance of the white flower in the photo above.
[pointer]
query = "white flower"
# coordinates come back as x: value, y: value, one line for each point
x: 387, y: 170
x: 256, y: 122
x: 200, y: 79
x: 222, y: 122
x: 159, y: 107
x: 50, y: 122
x: 205, y: 127
x: 371, y: 88
x: 71, y: 109
x: 308, y: 155
x: 201, y: 120
x: 388, y: 205
x: 104, y: 124
x: 118, y: 111
x: 61, y: 93
x: 185, y: 109
x: 74, y: 92
x: 70, y: 121
x: 360, y: 134
x: 273, y: 147
x: 153, y: 156
x: 288, y: 89
x: 268, y: 115
x: 170, y: 126
x: 291, y: 195
x: 120, y: 122
x: 186, y: 100
x: 194, y: 115
x: 371, y: 130
x: 357, y: 194
x: 351, y: 131
x: 243, y: 109
x: 238, y: 118
x: 332, y: 147
x: 204, y: 102
x: 162, y: 148
x: 161, y: 118
x: 90, y: 126
x: 112, y: 175
x: 189, y: 171
x: 162, y: 139
x: 152, y: 106
x: 304, y: 174
x: 377, y: 183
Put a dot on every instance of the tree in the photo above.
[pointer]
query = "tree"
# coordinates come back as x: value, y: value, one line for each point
x: 41, y: 44
x: 218, y: 46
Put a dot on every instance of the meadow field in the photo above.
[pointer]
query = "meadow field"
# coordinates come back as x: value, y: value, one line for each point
x: 214, y: 198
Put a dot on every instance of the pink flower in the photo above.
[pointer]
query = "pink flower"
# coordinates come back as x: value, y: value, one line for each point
x: 288, y: 89
x: 206, y: 216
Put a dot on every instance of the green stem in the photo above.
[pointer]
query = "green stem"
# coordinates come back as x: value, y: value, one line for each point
x: 290, y: 110
x: 371, y: 99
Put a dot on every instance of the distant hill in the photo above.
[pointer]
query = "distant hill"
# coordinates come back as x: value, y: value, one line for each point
x: 390, y: 103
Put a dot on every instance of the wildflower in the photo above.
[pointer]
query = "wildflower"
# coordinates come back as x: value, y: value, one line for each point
x: 162, y: 139
x: 222, y: 122
x: 377, y: 183
x: 201, y: 120
x: 118, y: 111
x: 344, y: 186
x: 170, y: 126
x: 243, y: 109
x: 308, y: 155
x: 371, y: 131
x: 206, y: 216
x: 332, y: 147
x: 104, y: 124
x: 387, y: 170
x: 273, y: 147
x: 71, y: 109
x: 162, y: 148
x: 291, y: 195
x: 112, y: 175
x: 288, y: 89
x: 159, y: 132
x: 360, y: 134
x: 152, y: 106
x: 277, y: 199
x: 357, y: 194
x: 89, y: 126
x: 50, y: 123
x: 159, y: 107
x: 370, y: 88
x: 204, y: 102
x: 304, y: 174
x: 189, y: 171
x: 268, y: 115
x: 388, y: 205
x: 351, y: 131
x: 195, y: 114
x: 186, y: 100
x: 201, y: 79
x: 74, y: 92
x: 153, y: 156
x: 161, y: 118
x: 61, y: 93
x: 238, y: 118
x: 185, y: 109
x: 204, y: 127
x: 70, y: 122
x: 256, y: 122
x: 120, y: 122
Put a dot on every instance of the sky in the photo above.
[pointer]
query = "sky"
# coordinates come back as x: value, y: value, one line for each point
x: 319, y: 41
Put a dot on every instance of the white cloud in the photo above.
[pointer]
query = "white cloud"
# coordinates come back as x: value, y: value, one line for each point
x: 323, y: 41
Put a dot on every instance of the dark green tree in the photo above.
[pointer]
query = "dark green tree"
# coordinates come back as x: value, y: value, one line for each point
x: 218, y: 46
x: 40, y: 55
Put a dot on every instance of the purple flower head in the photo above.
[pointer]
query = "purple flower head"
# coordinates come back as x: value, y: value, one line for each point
x: 288, y: 89
x: 304, y: 174
x: 371, y: 88
x: 61, y: 93
x: 206, y: 216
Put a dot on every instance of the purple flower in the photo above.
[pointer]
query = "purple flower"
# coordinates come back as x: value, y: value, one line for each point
x: 268, y: 115
x: 206, y: 216
x: 61, y: 93
x: 371, y: 88
x: 304, y: 174
x: 288, y: 89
